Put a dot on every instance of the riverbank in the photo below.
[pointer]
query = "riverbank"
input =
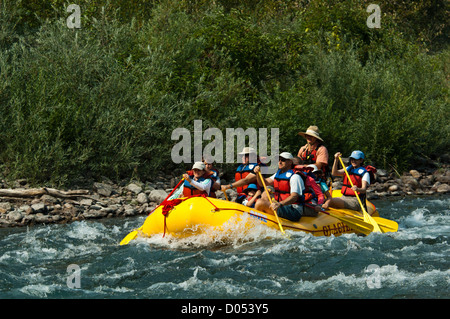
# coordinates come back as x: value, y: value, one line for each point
x: 21, y: 205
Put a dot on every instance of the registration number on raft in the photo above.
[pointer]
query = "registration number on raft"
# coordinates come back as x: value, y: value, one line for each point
x: 335, y: 229
x: 258, y: 216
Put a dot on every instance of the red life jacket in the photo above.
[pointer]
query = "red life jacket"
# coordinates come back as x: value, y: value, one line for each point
x: 281, y: 183
x: 356, y: 175
x: 241, y: 172
x: 312, y: 190
x: 309, y: 157
x: 189, y: 190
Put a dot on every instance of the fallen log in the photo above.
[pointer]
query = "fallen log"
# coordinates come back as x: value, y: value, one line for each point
x: 34, y: 192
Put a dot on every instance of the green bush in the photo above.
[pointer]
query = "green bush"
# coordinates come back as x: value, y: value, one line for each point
x: 104, y: 99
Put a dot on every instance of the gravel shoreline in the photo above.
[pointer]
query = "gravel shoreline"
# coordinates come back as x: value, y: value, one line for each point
x: 106, y: 199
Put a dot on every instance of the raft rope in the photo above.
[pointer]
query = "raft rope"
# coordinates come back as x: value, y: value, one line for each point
x: 169, y: 205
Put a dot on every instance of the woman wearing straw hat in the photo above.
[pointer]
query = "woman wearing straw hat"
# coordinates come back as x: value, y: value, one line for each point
x: 314, y: 152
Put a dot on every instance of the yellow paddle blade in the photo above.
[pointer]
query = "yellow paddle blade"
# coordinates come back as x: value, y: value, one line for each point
x: 369, y: 219
x: 129, y: 238
x: 385, y: 225
x: 354, y: 223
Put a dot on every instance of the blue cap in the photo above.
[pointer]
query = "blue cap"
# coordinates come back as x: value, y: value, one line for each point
x: 357, y: 155
x: 251, y: 187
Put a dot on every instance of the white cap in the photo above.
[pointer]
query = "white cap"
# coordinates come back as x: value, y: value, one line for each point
x: 199, y: 165
x: 247, y: 150
x: 286, y: 155
x: 314, y: 167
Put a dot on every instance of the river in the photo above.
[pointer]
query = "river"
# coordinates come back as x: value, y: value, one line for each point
x: 38, y: 262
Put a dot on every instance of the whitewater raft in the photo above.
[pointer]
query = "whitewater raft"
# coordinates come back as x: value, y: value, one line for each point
x: 190, y: 216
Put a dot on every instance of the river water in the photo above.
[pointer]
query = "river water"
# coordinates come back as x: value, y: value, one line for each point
x: 38, y: 262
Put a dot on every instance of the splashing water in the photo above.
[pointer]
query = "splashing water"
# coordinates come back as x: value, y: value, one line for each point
x: 237, y: 262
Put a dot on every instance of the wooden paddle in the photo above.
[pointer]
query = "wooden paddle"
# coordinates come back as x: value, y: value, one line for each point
x: 132, y: 235
x: 270, y: 200
x: 367, y: 217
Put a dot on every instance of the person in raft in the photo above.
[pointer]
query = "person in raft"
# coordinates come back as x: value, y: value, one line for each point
x: 252, y: 194
x: 360, y: 178
x: 318, y: 176
x: 196, y: 181
x: 289, y: 188
x: 314, y: 152
x: 213, y: 174
x: 245, y: 173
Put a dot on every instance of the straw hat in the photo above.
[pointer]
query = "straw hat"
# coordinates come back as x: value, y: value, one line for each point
x: 312, y: 131
x: 247, y: 150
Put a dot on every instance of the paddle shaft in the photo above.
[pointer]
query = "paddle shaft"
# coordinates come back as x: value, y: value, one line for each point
x: 270, y: 200
x: 226, y: 196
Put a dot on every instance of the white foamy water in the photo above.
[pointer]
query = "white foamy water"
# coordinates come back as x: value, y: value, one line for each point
x: 239, y: 262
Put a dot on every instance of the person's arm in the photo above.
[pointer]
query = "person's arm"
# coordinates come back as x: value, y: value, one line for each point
x: 267, y: 181
x: 203, y: 186
x: 215, y: 186
x: 322, y: 157
x: 177, y: 193
x: 316, y: 188
x: 254, y: 198
x: 364, y: 184
x: 297, y: 186
x: 335, y: 171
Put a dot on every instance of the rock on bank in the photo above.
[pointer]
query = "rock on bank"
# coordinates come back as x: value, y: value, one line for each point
x: 21, y: 205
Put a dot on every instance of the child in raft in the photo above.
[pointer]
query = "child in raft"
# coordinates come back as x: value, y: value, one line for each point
x: 319, y: 177
x: 250, y: 195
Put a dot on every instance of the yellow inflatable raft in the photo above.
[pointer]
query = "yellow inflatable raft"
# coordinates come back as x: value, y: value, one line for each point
x: 188, y: 216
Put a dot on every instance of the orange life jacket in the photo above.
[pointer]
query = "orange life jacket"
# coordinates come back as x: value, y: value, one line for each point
x: 241, y: 172
x: 189, y: 190
x: 281, y: 183
x: 356, y: 175
x: 310, y: 157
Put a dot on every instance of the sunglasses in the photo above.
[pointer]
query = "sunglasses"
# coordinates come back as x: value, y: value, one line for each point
x: 280, y: 159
